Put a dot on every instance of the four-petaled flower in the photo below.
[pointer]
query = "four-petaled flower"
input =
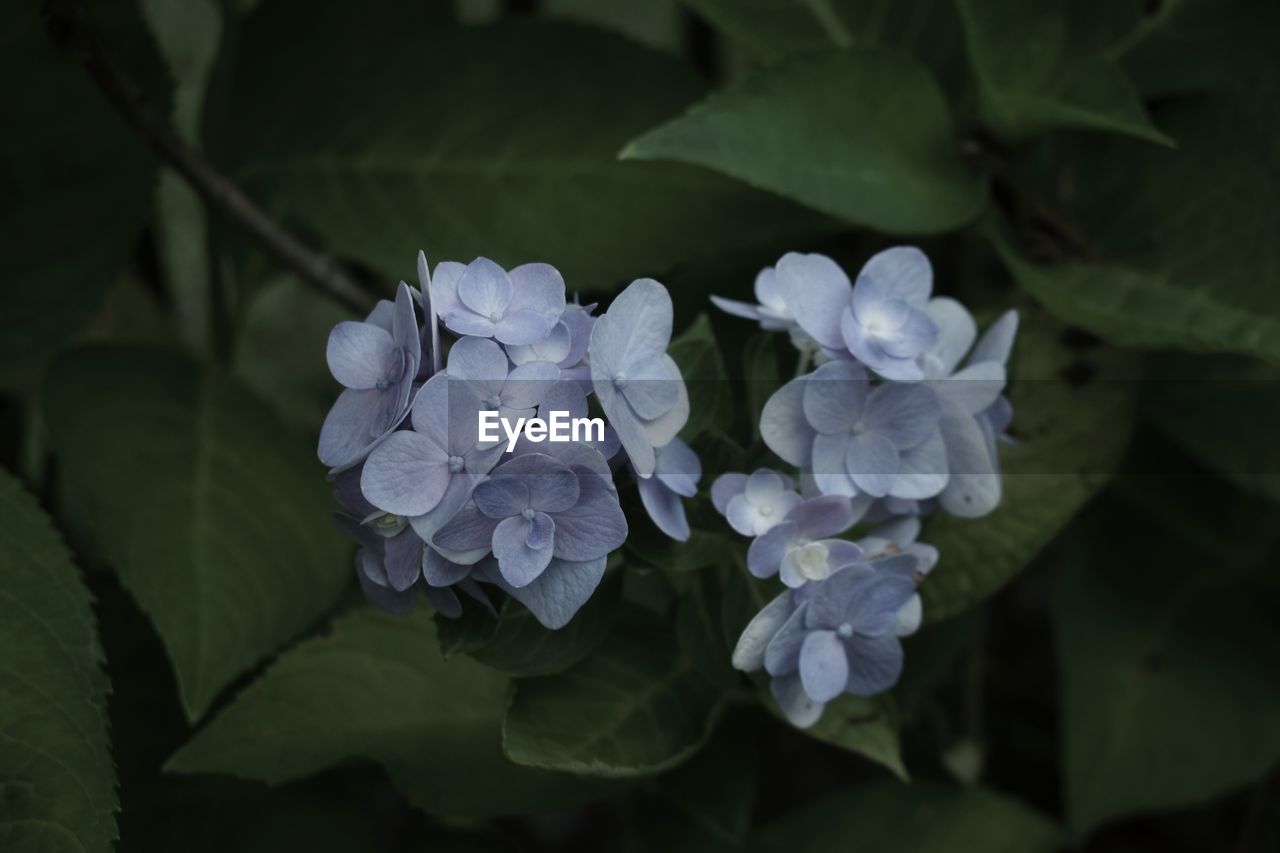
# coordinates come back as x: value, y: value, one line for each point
x: 754, y: 504
x: 484, y: 300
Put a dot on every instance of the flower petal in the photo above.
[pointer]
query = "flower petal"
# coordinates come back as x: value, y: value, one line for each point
x: 438, y: 571
x: 823, y: 516
x: 748, y: 654
x: 801, y: 711
x: 560, y: 591
x: 362, y: 355
x: 595, y: 526
x: 872, y: 462
x: 782, y: 655
x: 517, y: 561
x: 783, y: 426
x: 902, y: 272
x: 725, y: 487
x: 835, y: 396
x: 824, y: 667
x: 403, y: 559
x: 816, y: 291
x: 875, y: 664
x: 766, y: 552
x: 485, y: 289
x: 665, y: 508
x: 406, y: 474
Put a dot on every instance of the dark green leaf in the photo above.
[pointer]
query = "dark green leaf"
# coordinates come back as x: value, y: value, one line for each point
x: 215, y: 516
x: 637, y: 706
x: 920, y: 818
x: 377, y: 687
x: 1073, y: 414
x: 862, y: 134
x: 861, y: 725
x: 699, y: 625
x: 72, y: 209
x: 515, y: 642
x: 498, y: 141
x: 56, y: 772
x: 702, y: 365
x: 1168, y: 667
x: 1033, y: 75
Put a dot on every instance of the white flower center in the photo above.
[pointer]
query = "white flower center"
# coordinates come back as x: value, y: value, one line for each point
x: 845, y: 630
x: 810, y: 560
x: 495, y: 317
x: 455, y: 464
x: 528, y: 513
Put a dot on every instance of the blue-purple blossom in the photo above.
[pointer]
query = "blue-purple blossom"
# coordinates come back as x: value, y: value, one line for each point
x: 801, y: 549
x: 478, y: 367
x: 484, y: 300
x: 886, y: 327
x: 533, y: 508
x: 376, y: 362
x: 638, y: 385
x: 676, y: 473
x: 771, y: 312
x: 554, y: 596
x: 754, y: 504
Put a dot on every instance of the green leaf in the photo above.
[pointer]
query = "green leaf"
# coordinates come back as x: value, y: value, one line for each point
x: 498, y: 141
x: 1190, y: 231
x: 515, y: 642
x: 56, y: 772
x: 71, y: 210
x: 293, y: 380
x: 215, y: 516
x: 1073, y: 414
x: 1212, y: 408
x: 770, y: 30
x: 863, y: 134
x: 1168, y: 674
x: 1034, y: 75
x: 924, y: 817
x: 637, y: 706
x: 377, y: 687
x: 864, y: 726
x: 698, y: 355
x: 699, y: 622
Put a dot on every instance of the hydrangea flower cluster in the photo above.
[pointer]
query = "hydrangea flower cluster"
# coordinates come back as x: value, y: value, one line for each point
x: 435, y: 504
x: 899, y: 419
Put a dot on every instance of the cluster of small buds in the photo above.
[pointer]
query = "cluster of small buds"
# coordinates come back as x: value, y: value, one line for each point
x: 900, y: 418
x: 440, y: 505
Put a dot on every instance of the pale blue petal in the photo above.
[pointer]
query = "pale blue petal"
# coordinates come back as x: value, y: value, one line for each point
x: 662, y: 430
x: 816, y: 291
x: 439, y: 571
x: 664, y: 507
x: 468, y: 530
x: 560, y: 591
x: 404, y: 327
x: 678, y: 468
x: 997, y: 341
x: 518, y: 562
x: 553, y: 348
x: 974, y: 488
x: 922, y: 470
x: 637, y: 326
x: 956, y: 333
x: 824, y: 668
x: 974, y: 388
x: 783, y: 426
x: 444, y: 287
x: 521, y: 327
x: 379, y: 592
x: 902, y: 272
x: 835, y: 397
x: 528, y: 383
x: 363, y: 356
x: 502, y: 497
x: 406, y: 474
x: 724, y: 488
x: 801, y: 711
x: 477, y: 360
x: 820, y: 517
x: 403, y: 559
x: 765, y: 553
x: 485, y: 289
x: 904, y: 414
x: 595, y: 526
x: 875, y: 664
x: 748, y: 654
x: 782, y: 655
x: 738, y: 309
x: 651, y: 386
x: 539, y: 290
x: 915, y: 336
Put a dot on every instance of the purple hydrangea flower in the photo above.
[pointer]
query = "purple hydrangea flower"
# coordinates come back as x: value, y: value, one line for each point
x: 554, y: 596
x: 484, y: 300
x: 833, y: 637
x: 376, y: 362
x: 752, y: 505
x: 899, y: 537
x: 534, y: 508
x: 886, y: 327
x: 676, y: 473
x: 638, y: 385
x: 412, y: 472
x: 478, y: 366
x: 800, y: 548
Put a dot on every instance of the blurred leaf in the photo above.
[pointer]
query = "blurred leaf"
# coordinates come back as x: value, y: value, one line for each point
x: 698, y: 625
x: 1168, y: 674
x: 716, y: 788
x: 864, y: 135
x: 216, y: 518
x: 1188, y: 235
x: 56, y: 772
x: 517, y: 644
x: 773, y: 29
x: 72, y: 210
x: 924, y: 817
x: 1073, y: 414
x: 655, y: 23
x: 1215, y: 408
x: 1232, y: 41
x: 377, y: 687
x: 188, y: 33
x: 760, y: 376
x: 1033, y: 75
x: 294, y: 379
x: 498, y: 141
x: 636, y: 706
x: 696, y: 351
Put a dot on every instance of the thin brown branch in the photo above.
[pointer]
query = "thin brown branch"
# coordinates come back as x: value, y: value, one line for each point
x: 74, y: 36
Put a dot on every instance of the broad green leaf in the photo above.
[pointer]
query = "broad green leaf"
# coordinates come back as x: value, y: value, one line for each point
x: 56, y: 772
x: 1191, y: 231
x: 498, y: 141
x: 702, y: 365
x: 294, y: 380
x: 637, y: 706
x: 377, y: 687
x: 71, y: 210
x: 1073, y: 412
x: 1215, y: 409
x: 923, y: 817
x: 1168, y: 667
x: 864, y: 726
x: 770, y: 30
x: 655, y: 23
x: 699, y: 622
x: 862, y: 134
x: 1034, y: 74
x: 517, y: 644
x: 216, y: 517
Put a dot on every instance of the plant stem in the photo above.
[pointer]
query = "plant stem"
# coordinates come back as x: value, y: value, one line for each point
x: 73, y: 35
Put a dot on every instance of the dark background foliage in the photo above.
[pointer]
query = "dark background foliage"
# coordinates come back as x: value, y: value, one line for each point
x: 185, y: 662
